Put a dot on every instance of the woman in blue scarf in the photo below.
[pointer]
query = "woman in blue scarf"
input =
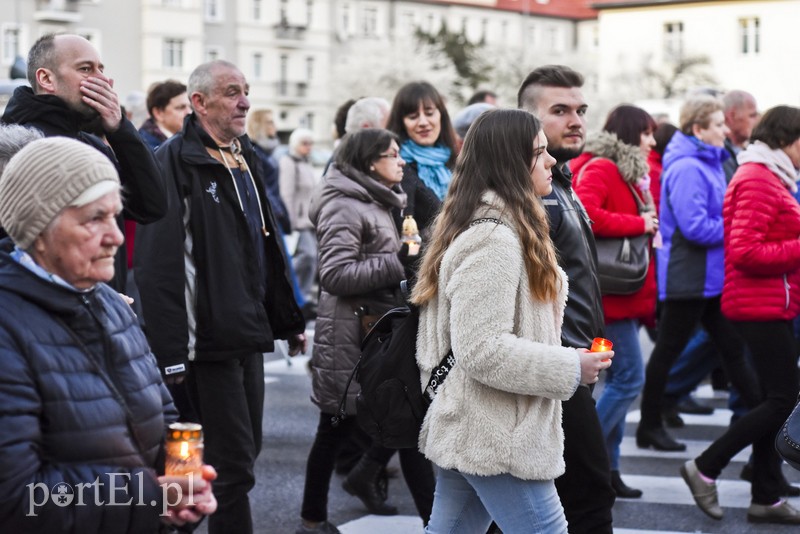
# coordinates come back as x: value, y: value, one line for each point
x: 419, y: 117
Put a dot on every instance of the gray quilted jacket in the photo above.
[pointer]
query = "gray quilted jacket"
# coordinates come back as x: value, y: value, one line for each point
x: 358, y: 266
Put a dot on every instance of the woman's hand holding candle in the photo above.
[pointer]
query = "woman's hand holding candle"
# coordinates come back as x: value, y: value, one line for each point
x: 592, y: 363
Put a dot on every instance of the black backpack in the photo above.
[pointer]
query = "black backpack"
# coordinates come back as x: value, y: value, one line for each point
x: 391, y: 406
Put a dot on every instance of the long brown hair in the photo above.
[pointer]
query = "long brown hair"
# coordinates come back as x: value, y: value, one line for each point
x: 498, y: 155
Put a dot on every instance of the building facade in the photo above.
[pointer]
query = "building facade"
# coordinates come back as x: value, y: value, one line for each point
x: 303, y: 58
x: 744, y: 44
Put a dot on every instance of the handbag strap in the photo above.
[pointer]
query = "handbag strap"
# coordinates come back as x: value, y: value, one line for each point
x: 440, y: 372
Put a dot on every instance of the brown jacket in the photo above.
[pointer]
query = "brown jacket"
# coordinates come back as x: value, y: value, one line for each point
x: 358, y: 266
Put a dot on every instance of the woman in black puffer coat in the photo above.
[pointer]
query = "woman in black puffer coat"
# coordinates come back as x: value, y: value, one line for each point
x: 83, y: 410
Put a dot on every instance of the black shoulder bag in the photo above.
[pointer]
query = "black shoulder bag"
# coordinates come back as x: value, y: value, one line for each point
x: 622, y: 262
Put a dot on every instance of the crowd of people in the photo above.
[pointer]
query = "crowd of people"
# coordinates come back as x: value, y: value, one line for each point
x: 510, y: 205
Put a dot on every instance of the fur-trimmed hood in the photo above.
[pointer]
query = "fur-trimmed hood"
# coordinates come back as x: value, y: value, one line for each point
x: 629, y: 159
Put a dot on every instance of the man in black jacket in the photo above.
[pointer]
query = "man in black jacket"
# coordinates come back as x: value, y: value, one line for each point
x: 71, y: 96
x: 214, y: 282
x: 553, y: 94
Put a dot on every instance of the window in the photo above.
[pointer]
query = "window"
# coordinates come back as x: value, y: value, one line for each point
x: 284, y: 14
x: 284, y: 68
x: 308, y: 120
x: 673, y: 40
x: 533, y: 38
x: 214, y: 11
x: 554, y: 39
x: 258, y: 64
x: 257, y: 9
x: 407, y: 24
x: 173, y: 53
x: 309, y: 67
x: 213, y: 53
x: 750, y: 35
x: 429, y: 25
x: 369, y: 23
x: 484, y: 28
x: 91, y: 35
x: 346, y: 19
x: 309, y: 11
x: 12, y: 35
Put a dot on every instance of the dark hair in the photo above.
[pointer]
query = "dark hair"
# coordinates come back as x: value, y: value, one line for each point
x: 629, y: 123
x: 779, y: 127
x: 41, y: 55
x: 546, y: 76
x: 407, y: 101
x: 361, y: 148
x: 497, y: 155
x: 480, y: 96
x: 663, y: 135
x: 340, y: 119
x: 160, y: 94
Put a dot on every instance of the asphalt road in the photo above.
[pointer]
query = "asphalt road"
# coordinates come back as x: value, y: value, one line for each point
x: 666, y: 507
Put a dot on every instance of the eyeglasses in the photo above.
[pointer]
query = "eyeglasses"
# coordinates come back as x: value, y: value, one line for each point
x: 394, y: 155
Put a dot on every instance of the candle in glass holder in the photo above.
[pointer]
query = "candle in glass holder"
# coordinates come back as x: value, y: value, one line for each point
x: 601, y: 344
x: 184, y: 449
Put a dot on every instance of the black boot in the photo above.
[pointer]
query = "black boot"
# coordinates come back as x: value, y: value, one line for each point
x: 623, y: 490
x: 362, y: 482
x: 658, y: 439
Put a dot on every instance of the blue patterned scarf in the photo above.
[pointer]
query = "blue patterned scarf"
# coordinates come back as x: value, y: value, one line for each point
x: 431, y: 167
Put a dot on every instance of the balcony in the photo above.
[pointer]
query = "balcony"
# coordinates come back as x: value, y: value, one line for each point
x: 287, y: 92
x: 289, y: 35
x: 57, y: 11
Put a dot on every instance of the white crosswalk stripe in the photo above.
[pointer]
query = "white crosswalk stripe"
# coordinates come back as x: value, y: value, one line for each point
x: 657, y: 489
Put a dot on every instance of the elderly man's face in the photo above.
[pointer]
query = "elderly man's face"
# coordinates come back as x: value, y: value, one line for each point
x: 223, y: 112
x: 80, y: 244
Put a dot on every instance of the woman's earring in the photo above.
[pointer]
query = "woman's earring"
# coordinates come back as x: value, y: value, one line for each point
x: 372, y: 167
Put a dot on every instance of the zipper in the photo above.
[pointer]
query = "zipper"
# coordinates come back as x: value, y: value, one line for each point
x: 786, y: 287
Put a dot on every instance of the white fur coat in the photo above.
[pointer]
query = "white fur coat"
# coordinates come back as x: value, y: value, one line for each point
x: 499, y: 410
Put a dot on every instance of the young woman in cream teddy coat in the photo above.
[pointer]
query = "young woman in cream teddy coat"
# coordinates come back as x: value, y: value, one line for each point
x: 490, y: 289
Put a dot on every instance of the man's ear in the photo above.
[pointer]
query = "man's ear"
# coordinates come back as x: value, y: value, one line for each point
x: 157, y: 114
x: 198, y: 103
x: 45, y: 81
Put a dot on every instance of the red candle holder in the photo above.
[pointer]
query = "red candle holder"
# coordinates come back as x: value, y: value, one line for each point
x: 601, y: 344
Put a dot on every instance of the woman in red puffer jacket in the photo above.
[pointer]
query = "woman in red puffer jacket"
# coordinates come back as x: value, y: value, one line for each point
x: 611, y: 180
x: 761, y: 295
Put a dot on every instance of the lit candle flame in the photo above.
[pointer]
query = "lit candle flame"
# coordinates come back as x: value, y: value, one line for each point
x: 184, y: 454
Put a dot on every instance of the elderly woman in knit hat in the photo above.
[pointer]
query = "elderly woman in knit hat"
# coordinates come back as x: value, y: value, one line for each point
x: 83, y: 410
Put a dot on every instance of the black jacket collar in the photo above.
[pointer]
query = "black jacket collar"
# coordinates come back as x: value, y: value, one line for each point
x: 48, y: 113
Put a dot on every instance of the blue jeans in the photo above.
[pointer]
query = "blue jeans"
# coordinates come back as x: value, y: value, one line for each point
x: 624, y: 381
x: 298, y: 295
x: 305, y: 263
x: 465, y: 504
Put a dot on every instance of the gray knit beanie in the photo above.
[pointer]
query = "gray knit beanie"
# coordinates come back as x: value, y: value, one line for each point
x: 44, y: 178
